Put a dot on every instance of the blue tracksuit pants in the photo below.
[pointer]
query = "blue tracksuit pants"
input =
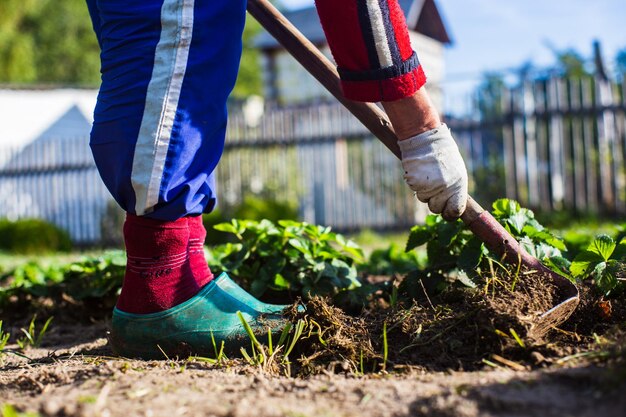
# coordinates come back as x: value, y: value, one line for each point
x: 168, y: 67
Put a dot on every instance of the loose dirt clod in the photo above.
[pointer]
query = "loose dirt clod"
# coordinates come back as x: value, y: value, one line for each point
x: 460, y: 329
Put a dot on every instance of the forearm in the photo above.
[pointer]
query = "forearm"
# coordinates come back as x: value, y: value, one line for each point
x: 412, y: 115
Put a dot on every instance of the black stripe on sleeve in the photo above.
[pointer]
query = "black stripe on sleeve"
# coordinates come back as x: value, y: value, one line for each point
x: 381, y: 73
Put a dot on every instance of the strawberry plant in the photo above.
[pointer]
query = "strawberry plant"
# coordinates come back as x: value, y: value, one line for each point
x: 392, y: 260
x: 289, y: 255
x: 604, y: 261
x: 455, y: 254
x: 93, y: 277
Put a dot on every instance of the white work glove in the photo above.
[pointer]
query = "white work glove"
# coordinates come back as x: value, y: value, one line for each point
x: 434, y: 169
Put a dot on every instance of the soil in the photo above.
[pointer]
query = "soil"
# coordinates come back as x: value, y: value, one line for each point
x: 451, y: 354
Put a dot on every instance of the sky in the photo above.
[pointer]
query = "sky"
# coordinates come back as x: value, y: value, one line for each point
x: 492, y: 35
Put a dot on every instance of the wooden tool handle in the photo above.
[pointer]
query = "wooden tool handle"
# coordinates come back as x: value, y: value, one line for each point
x: 480, y: 222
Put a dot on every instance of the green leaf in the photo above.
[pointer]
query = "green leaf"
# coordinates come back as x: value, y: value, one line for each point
x: 471, y: 255
x: 560, y: 265
x: 505, y: 207
x: 528, y: 245
x: 604, y: 277
x: 542, y: 235
x: 603, y: 245
x: 281, y: 283
x: 543, y: 251
x: 258, y: 288
x: 419, y: 236
x: 448, y: 232
x: 299, y: 245
x: 464, y: 279
x: 584, y: 262
x: 517, y: 221
x: 226, y: 227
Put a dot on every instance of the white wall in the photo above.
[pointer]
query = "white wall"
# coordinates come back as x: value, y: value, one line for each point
x: 431, y: 56
x: 26, y: 114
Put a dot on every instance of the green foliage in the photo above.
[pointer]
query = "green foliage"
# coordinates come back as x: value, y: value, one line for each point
x: 288, y: 256
x: 489, y: 95
x: 603, y: 260
x: 620, y: 64
x: 521, y: 223
x: 93, y: 277
x: 4, y: 339
x: 455, y: 254
x: 47, y: 41
x: 254, y: 208
x: 393, y: 260
x: 210, y: 220
x: 31, y: 336
x: 251, y: 208
x: 249, y: 80
x: 32, y: 236
x: 9, y: 411
x: 571, y: 64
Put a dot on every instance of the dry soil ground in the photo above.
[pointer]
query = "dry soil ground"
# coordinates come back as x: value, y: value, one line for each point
x: 75, y: 375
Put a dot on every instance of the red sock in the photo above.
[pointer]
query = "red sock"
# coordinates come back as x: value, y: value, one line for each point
x: 166, y: 263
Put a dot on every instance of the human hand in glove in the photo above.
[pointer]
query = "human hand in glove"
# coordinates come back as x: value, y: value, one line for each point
x: 434, y: 169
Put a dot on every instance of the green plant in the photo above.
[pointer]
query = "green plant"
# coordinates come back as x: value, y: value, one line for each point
x: 604, y: 261
x: 4, y: 338
x: 92, y: 277
x: 215, y: 237
x: 456, y: 255
x: 254, y: 208
x: 32, y: 236
x: 31, y: 336
x: 268, y: 356
x: 95, y: 277
x: 288, y: 256
x: 9, y: 411
x: 392, y: 260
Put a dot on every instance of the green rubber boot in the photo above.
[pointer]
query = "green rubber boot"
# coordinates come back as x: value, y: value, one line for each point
x: 186, y: 329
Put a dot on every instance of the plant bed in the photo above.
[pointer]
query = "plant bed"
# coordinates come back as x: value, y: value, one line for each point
x: 441, y: 332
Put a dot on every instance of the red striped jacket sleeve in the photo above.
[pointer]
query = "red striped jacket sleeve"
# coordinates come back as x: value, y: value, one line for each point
x: 370, y: 42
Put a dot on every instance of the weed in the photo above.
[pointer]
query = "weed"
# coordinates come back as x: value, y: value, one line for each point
x: 259, y: 358
x: 32, y: 338
x: 385, y: 347
x: 4, y: 338
x: 9, y: 411
x: 517, y: 338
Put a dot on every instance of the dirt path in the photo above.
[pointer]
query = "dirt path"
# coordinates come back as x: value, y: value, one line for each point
x: 80, y: 379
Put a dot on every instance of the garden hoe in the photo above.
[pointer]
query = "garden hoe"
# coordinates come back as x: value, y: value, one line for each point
x: 479, y: 221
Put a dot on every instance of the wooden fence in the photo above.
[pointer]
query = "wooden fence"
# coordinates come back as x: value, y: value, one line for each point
x: 551, y: 144
x: 560, y: 144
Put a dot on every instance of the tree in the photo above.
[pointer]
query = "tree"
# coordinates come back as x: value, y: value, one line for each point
x: 571, y: 64
x: 620, y: 64
x: 51, y: 41
x: 249, y: 80
x: 17, y: 45
x: 67, y: 48
x: 490, y: 95
x: 47, y: 41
